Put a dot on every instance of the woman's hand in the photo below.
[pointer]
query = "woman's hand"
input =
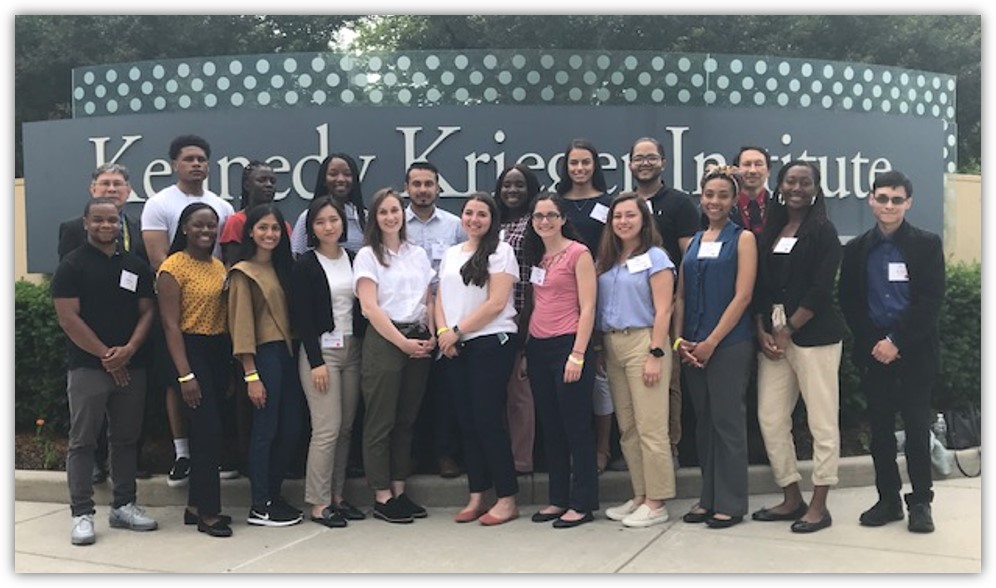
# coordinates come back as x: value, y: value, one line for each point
x: 257, y: 393
x: 417, y: 348
x: 572, y: 371
x: 703, y: 351
x: 320, y: 378
x: 448, y: 340
x: 685, y: 353
x: 768, y: 346
x: 652, y: 371
x: 191, y: 392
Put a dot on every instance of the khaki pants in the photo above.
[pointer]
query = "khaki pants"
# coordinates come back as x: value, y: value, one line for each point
x: 332, y: 414
x: 642, y: 413
x: 813, y: 373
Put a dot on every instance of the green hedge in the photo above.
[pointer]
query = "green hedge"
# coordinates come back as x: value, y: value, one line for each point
x: 40, y: 372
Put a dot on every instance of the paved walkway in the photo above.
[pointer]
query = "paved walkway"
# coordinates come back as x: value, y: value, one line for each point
x: 438, y: 545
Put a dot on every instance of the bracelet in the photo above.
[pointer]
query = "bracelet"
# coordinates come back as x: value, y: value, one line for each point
x: 677, y: 343
x: 574, y: 360
x: 441, y: 330
x: 251, y: 377
x: 186, y: 378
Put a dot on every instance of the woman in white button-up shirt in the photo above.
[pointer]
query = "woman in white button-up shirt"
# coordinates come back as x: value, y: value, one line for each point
x: 391, y: 278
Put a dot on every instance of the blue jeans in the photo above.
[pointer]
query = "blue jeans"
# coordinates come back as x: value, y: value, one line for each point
x: 277, y: 426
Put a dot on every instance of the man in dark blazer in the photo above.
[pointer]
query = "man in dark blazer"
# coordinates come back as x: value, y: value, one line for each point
x: 111, y: 180
x: 891, y: 287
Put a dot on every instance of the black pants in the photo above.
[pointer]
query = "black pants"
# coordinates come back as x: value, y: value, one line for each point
x: 478, y: 386
x: 891, y: 389
x: 209, y: 357
x: 564, y: 411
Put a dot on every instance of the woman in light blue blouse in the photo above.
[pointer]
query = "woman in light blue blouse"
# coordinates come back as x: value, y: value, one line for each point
x: 635, y: 289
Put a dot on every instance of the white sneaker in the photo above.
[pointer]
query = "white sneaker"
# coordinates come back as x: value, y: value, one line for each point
x: 618, y: 513
x: 82, y: 533
x: 131, y: 516
x: 645, y: 517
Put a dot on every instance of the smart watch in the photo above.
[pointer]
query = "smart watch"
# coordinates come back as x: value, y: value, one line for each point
x: 656, y: 352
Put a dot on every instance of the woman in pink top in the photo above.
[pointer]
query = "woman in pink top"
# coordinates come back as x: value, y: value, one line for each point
x: 561, y: 306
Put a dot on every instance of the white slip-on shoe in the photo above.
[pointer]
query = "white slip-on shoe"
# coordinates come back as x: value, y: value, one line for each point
x: 618, y: 513
x: 644, y: 516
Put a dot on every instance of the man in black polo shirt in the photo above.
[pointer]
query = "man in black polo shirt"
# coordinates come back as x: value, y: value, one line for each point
x: 891, y: 287
x: 677, y: 220
x: 104, y: 302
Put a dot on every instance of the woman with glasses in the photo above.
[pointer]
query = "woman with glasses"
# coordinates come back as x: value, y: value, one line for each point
x: 800, y: 333
x: 559, y: 361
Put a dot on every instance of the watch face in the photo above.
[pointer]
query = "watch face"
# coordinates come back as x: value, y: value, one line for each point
x: 657, y: 352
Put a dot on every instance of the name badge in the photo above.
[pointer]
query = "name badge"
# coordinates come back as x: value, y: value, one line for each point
x: 785, y: 244
x: 600, y: 212
x: 129, y: 281
x: 537, y: 275
x: 710, y: 250
x: 501, y: 235
x: 898, y: 273
x: 439, y: 250
x: 650, y: 206
x: 639, y: 263
x: 332, y: 339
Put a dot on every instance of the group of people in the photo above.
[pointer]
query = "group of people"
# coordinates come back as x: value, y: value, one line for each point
x: 564, y: 306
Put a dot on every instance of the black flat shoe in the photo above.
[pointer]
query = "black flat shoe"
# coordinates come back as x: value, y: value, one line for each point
x: 564, y: 524
x: 219, y: 529
x: 546, y: 517
x: 714, y: 523
x: 801, y: 526
x: 349, y: 512
x: 330, y: 518
x: 190, y: 518
x: 766, y: 515
x: 697, y: 517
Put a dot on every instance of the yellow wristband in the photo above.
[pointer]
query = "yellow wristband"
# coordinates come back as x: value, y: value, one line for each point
x: 186, y: 378
x: 441, y: 330
x: 253, y: 377
x: 677, y: 342
x: 575, y: 361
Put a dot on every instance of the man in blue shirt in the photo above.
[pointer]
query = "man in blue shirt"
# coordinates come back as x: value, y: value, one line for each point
x: 434, y: 230
x: 891, y: 287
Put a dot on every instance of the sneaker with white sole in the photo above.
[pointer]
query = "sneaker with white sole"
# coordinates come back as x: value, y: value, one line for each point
x: 179, y: 473
x: 82, y: 532
x: 131, y: 516
x: 644, y: 516
x: 271, y: 515
x: 618, y: 513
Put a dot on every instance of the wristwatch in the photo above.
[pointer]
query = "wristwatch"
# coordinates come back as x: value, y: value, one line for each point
x: 656, y: 352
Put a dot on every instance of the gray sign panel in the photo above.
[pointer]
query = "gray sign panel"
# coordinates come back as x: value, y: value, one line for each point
x: 471, y: 145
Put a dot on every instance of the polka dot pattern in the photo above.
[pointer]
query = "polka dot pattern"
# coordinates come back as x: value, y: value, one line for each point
x: 428, y: 78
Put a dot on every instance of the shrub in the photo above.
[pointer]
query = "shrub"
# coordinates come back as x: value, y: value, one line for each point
x: 960, y: 383
x: 39, y: 359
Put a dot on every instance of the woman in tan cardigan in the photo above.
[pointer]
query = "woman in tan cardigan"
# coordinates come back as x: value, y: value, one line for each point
x: 259, y: 322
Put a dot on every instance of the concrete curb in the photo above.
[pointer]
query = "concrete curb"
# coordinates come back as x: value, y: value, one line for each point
x: 433, y: 491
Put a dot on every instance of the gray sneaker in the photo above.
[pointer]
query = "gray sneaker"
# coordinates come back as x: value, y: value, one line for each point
x: 131, y: 516
x: 82, y: 533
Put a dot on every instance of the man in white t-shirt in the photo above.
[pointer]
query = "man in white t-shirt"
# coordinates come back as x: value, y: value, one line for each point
x: 190, y: 156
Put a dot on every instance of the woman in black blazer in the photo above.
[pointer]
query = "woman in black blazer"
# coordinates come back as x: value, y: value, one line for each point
x: 800, y: 333
x: 327, y: 320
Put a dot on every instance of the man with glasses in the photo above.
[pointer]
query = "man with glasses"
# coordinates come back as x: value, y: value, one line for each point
x: 891, y: 287
x: 109, y: 180
x: 677, y: 220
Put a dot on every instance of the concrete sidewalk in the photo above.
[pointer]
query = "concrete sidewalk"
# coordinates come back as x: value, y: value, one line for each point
x: 438, y: 545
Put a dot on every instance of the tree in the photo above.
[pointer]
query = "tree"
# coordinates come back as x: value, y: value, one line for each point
x: 943, y: 44
x: 47, y: 48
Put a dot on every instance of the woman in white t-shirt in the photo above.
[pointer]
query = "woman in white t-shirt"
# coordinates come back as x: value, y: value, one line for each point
x: 475, y: 315
x: 391, y: 278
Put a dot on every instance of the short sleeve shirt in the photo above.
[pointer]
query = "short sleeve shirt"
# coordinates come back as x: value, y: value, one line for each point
x: 202, y: 302
x: 109, y: 289
x: 401, y: 285
x: 162, y: 211
x: 625, y: 299
x: 460, y: 300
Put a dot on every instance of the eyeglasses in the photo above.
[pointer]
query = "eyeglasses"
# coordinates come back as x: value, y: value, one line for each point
x: 550, y: 216
x: 651, y: 159
x: 896, y: 200
x: 110, y: 183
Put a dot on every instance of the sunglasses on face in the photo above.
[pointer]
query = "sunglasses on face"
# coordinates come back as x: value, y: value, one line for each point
x: 895, y: 200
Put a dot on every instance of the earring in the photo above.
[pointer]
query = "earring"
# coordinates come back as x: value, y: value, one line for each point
x: 781, y: 199
x: 813, y: 201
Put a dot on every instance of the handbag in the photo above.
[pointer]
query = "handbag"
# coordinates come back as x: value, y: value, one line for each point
x: 964, y: 427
